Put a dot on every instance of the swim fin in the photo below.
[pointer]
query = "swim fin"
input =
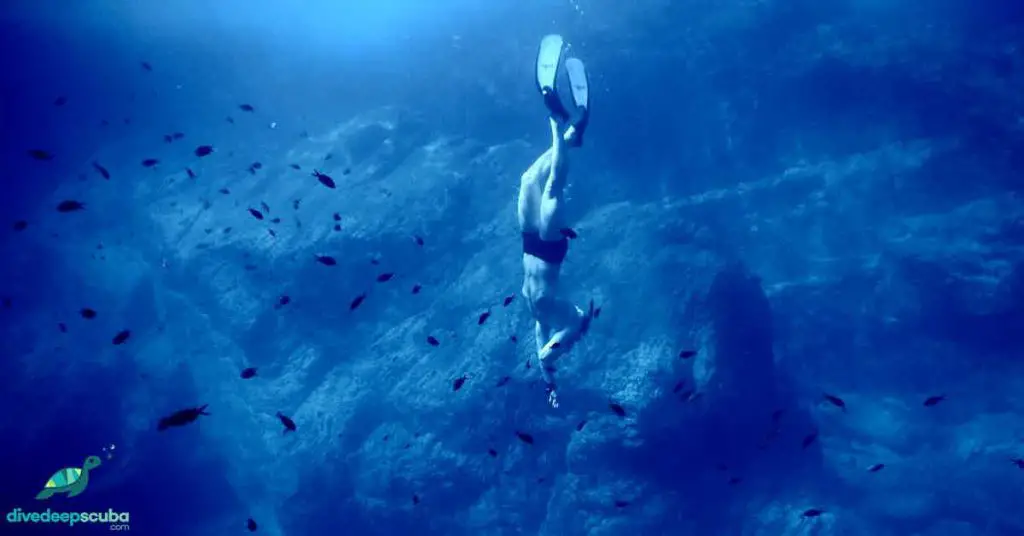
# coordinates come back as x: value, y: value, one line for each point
x: 548, y: 58
x: 580, y: 85
x: 579, y: 82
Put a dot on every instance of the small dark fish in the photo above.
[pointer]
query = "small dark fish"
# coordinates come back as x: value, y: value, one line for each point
x: 150, y: 162
x: 1018, y: 462
x: 568, y: 233
x: 248, y: 373
x: 296, y: 167
x: 508, y: 299
x: 374, y: 262
x: 687, y: 354
x: 20, y: 225
x: 525, y: 437
x: 284, y: 300
x: 933, y: 400
x: 619, y: 503
x: 876, y: 468
x: 431, y: 340
x: 296, y: 204
x: 177, y: 135
x: 101, y: 170
x: 337, y: 227
x: 146, y: 66
x: 503, y: 381
x: 251, y: 525
x: 87, y: 313
x: 678, y: 387
x: 229, y: 120
x: 513, y: 339
x: 483, y: 318
x: 356, y: 302
x: 168, y: 138
x: 40, y: 154
x: 204, y: 150
x: 617, y: 409
x: 326, y: 180
x: 224, y: 191
x: 191, y: 174
x: 418, y: 239
x: 62, y: 327
x: 326, y: 260
x: 346, y: 171
x: 415, y: 499
x: 580, y: 425
x: 181, y: 417
x: 492, y: 453
x: 812, y: 512
x: 289, y: 424
x: 256, y: 165
x: 385, y: 277
x: 246, y: 108
x: 459, y: 382
x: 265, y: 207
x: 809, y: 439
x: 60, y: 101
x: 256, y: 214
x: 836, y: 401
x: 328, y: 157
x: 336, y: 216
x: 121, y: 337
x: 416, y: 289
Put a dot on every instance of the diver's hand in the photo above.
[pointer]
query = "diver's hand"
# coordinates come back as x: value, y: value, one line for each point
x: 553, y: 398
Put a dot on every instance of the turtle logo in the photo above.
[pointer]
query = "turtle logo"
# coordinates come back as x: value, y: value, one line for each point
x: 70, y: 480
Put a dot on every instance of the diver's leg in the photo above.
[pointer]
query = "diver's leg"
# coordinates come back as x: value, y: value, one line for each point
x: 554, y: 186
x: 527, y: 208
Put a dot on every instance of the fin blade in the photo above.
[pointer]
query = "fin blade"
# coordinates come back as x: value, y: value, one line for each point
x: 578, y: 81
x: 548, y: 58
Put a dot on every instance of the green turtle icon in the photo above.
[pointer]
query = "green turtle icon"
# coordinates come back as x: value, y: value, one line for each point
x: 70, y: 480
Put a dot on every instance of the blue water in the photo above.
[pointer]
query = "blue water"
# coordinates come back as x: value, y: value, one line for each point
x: 812, y: 197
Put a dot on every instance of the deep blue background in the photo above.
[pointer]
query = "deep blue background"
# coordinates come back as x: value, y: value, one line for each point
x: 818, y: 196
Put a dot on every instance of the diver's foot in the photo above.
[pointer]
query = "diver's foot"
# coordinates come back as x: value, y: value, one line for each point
x: 577, y: 126
x: 585, y: 318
